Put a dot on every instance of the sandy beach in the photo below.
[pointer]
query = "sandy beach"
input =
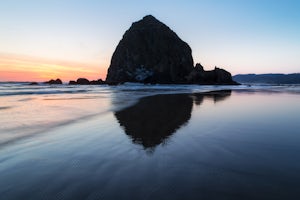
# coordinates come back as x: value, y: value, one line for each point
x: 116, y: 144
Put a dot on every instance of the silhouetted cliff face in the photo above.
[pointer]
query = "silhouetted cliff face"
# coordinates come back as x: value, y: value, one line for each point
x: 150, y: 52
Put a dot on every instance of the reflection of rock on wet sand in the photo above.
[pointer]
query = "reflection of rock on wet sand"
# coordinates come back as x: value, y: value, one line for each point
x: 154, y: 119
x: 214, y: 95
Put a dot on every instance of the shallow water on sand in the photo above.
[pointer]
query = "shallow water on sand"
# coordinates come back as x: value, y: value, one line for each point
x: 123, y: 143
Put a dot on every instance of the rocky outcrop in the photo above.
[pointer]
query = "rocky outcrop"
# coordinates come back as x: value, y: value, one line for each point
x: 33, y: 83
x: 223, y: 77
x: 54, y: 82
x: 150, y: 52
x: 84, y: 81
x: 72, y: 83
x: 97, y: 82
x: 214, y: 77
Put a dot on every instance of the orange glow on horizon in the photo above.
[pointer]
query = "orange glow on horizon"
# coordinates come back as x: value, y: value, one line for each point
x: 26, y: 68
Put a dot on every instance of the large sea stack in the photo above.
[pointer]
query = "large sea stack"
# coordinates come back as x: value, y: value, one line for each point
x: 150, y: 52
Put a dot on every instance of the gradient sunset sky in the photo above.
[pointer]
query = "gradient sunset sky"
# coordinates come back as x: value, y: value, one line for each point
x: 68, y: 39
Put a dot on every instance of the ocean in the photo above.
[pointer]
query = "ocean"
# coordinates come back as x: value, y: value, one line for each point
x: 136, y: 141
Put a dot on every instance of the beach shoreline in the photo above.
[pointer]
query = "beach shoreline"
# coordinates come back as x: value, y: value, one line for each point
x: 145, y: 143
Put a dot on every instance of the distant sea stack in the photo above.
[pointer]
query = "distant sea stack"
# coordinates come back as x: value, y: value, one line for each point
x: 150, y: 52
x: 54, y: 82
x: 84, y: 81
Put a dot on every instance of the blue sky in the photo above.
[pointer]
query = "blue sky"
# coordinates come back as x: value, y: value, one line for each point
x: 240, y: 36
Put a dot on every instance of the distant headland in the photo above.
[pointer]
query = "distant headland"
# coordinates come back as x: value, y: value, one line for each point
x: 268, y: 78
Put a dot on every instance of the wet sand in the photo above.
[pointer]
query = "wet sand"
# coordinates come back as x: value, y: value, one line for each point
x: 211, y: 145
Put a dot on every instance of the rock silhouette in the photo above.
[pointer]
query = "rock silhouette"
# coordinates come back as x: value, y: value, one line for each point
x: 150, y: 52
x: 97, y: 82
x: 72, y: 83
x: 214, y: 77
x: 56, y: 82
x: 154, y: 119
x: 84, y: 81
x: 33, y: 83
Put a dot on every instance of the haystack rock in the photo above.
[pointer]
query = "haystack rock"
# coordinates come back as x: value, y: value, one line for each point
x: 150, y: 52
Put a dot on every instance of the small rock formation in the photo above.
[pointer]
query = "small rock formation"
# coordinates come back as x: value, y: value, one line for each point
x: 54, y: 82
x: 97, y: 82
x: 33, y: 83
x: 72, y: 83
x: 84, y: 81
x: 214, y: 77
x: 223, y: 77
x: 150, y: 52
